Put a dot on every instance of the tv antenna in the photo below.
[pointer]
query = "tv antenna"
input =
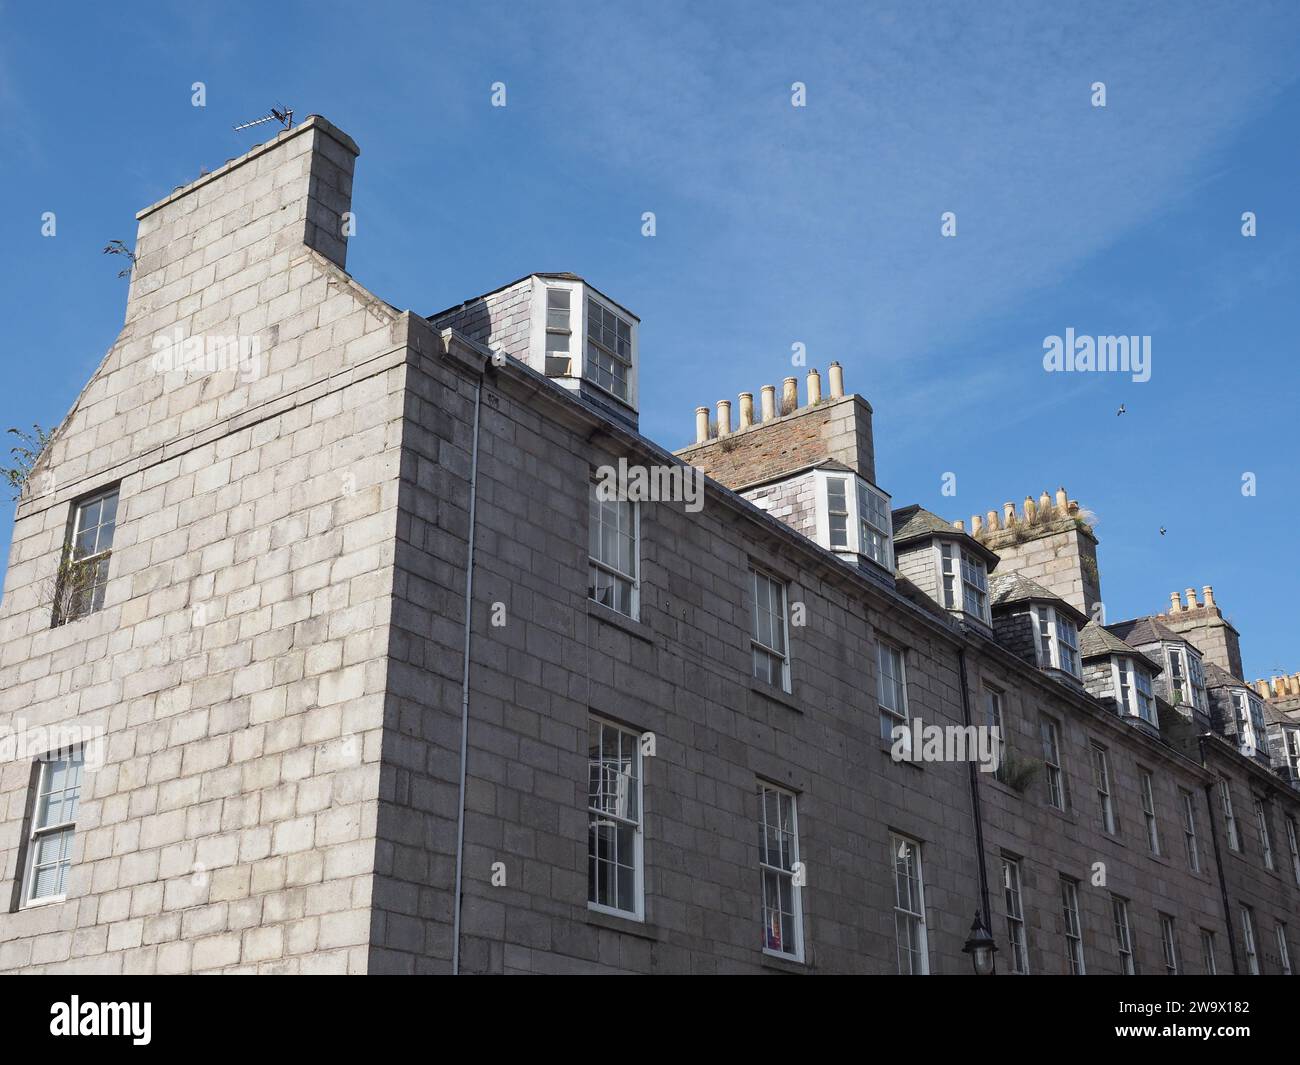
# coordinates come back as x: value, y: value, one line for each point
x: 283, y: 116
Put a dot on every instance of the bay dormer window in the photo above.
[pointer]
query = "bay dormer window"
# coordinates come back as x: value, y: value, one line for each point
x: 1133, y: 688
x: 1249, y: 714
x: 963, y: 580
x: 853, y: 517
x: 1186, y: 678
x: 579, y: 338
x: 1058, y: 640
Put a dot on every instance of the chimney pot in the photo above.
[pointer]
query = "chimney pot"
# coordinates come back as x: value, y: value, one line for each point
x: 992, y: 519
x: 746, y: 409
x: 1008, y: 514
x: 1045, y: 504
x: 701, y: 424
x: 1030, y: 509
x: 1062, y: 502
x: 836, y: 380
x: 814, y: 388
x: 959, y: 524
x: 789, y: 395
x: 1208, y: 593
x: 1175, y: 604
x: 769, y: 402
x: 724, y: 417
x: 1073, y: 507
x: 1192, y: 604
x: 976, y: 524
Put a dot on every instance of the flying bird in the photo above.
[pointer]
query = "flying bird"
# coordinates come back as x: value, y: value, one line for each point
x: 1120, y: 411
x: 1162, y: 530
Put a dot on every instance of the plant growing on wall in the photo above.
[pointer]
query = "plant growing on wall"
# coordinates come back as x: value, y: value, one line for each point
x: 24, y: 455
x: 71, y: 590
x: 1018, y: 772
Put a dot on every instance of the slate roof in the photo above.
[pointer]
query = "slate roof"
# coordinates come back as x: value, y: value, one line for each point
x: 1218, y: 677
x: 1008, y: 588
x: 1140, y: 631
x: 914, y: 522
x: 1097, y: 642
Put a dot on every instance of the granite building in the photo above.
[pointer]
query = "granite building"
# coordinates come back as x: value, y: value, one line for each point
x: 325, y: 648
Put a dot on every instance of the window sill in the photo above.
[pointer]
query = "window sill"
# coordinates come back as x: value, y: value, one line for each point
x: 776, y: 695
x: 627, y: 925
x: 631, y: 626
x: 36, y: 904
x: 887, y: 749
x: 782, y: 963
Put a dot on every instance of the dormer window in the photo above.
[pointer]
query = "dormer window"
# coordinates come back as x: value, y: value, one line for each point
x: 1186, y: 679
x: 1249, y: 712
x: 854, y: 516
x: 963, y: 580
x: 1058, y: 640
x: 580, y: 338
x: 1133, y: 685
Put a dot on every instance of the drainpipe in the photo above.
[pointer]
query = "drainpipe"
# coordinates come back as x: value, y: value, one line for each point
x: 974, y: 790
x: 1218, y: 864
x: 464, y: 682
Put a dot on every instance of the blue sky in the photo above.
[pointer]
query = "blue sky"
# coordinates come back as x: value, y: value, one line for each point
x: 775, y: 224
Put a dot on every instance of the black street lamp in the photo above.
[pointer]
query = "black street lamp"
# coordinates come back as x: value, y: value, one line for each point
x: 980, y: 947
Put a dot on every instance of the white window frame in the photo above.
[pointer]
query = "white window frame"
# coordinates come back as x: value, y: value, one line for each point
x: 1283, y: 949
x: 610, y: 569
x: 1294, y: 846
x: 1123, y: 935
x: 1100, y: 759
x: 787, y: 870
x: 1073, y: 926
x: 1147, y: 786
x: 579, y: 370
x: 1252, y: 733
x: 757, y: 646
x: 66, y: 828
x: 1184, y: 663
x: 1189, y: 830
x: 963, y: 577
x: 1208, y: 953
x: 1133, y: 690
x: 1054, y: 776
x: 1265, y: 836
x: 1229, y: 818
x: 594, y: 814
x: 858, y: 523
x: 1056, y: 649
x: 1248, y: 942
x: 1169, y: 942
x: 99, y: 559
x: 1013, y: 909
x: 909, y: 911
x: 1291, y: 751
x: 892, y: 716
